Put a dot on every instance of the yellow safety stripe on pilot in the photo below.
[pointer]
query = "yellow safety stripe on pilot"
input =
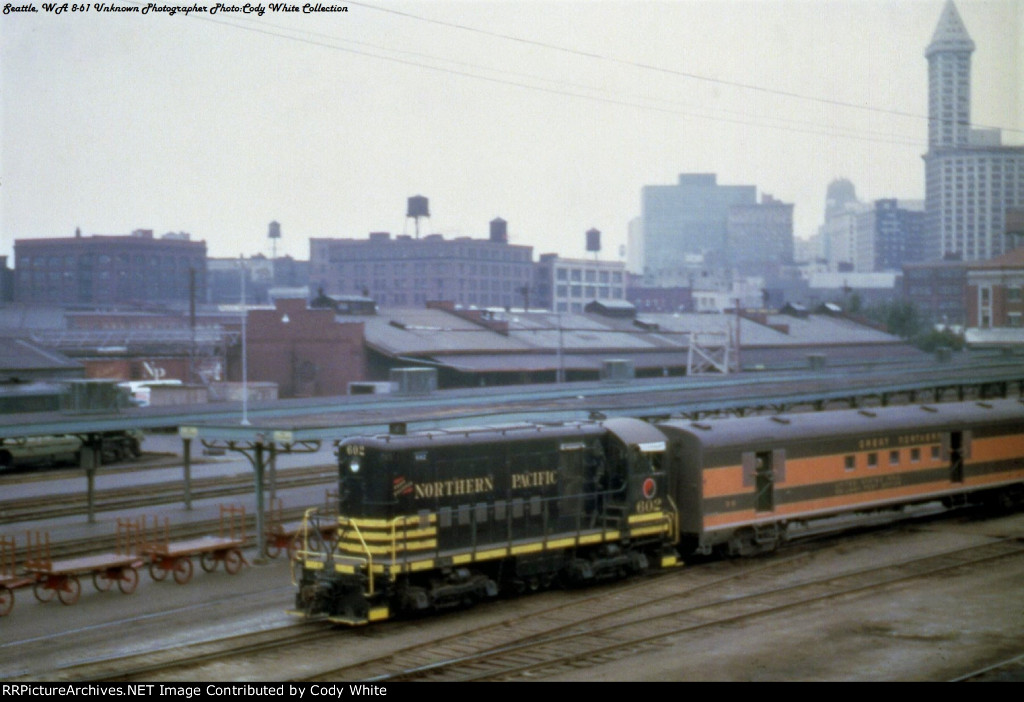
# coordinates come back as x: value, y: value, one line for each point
x: 386, y: 523
x: 378, y: 614
x: 647, y: 531
x: 388, y: 535
x: 527, y: 548
x: 391, y: 547
x: 488, y: 555
x: 411, y: 564
x: 646, y: 517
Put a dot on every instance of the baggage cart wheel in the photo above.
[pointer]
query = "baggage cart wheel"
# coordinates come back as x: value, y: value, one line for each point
x: 6, y: 600
x: 42, y: 592
x: 129, y: 580
x: 102, y: 581
x: 208, y: 561
x: 272, y: 549
x: 70, y: 590
x: 157, y: 571
x: 233, y: 561
x: 183, y: 570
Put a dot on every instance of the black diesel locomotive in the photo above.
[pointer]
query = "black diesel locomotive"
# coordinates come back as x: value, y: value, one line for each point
x: 445, y: 518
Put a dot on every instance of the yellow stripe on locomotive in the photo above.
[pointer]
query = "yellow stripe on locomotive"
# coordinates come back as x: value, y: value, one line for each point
x: 441, y: 519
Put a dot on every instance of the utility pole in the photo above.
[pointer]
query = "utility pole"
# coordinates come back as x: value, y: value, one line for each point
x: 245, y: 359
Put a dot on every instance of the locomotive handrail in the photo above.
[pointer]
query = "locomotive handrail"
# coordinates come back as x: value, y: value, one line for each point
x: 673, y: 519
x: 366, y: 548
x: 304, y: 528
x: 402, y: 522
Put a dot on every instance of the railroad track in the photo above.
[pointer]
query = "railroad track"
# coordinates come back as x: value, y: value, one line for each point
x: 178, y: 663
x: 15, y: 512
x: 1007, y: 670
x: 66, y: 505
x: 304, y: 638
x: 617, y: 627
x: 585, y: 629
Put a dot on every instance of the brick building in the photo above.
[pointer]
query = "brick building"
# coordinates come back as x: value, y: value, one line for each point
x: 995, y: 293
x: 405, y: 272
x: 308, y: 352
x: 937, y: 289
x: 137, y: 269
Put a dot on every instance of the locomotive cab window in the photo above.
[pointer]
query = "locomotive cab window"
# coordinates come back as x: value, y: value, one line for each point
x: 649, y: 457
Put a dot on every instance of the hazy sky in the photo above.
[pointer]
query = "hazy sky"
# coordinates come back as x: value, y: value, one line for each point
x: 551, y: 115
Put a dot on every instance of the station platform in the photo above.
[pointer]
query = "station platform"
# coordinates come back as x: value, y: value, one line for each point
x: 202, y: 510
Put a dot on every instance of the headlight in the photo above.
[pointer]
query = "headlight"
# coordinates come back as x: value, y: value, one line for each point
x: 353, y: 465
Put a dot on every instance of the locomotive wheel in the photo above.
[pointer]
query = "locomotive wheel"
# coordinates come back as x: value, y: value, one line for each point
x: 183, y: 570
x: 42, y: 592
x: 6, y: 600
x: 70, y: 590
x: 208, y: 562
x: 102, y: 581
x: 128, y: 581
x: 233, y: 561
x: 157, y: 571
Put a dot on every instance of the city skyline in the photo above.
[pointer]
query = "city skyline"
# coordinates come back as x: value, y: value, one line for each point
x: 552, y: 116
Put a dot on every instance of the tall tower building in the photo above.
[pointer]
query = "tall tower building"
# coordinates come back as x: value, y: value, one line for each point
x: 970, y: 178
x: 949, y: 81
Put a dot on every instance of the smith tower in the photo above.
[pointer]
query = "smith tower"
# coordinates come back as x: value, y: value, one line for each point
x: 970, y: 178
x: 949, y: 81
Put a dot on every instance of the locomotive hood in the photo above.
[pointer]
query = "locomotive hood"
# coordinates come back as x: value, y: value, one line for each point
x: 637, y: 432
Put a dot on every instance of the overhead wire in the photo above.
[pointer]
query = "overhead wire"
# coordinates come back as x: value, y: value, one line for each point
x: 660, y: 69
x: 333, y: 42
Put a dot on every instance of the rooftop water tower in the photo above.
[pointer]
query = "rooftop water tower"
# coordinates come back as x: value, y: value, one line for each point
x: 499, y: 231
x: 594, y: 241
x: 273, y: 233
x: 418, y: 207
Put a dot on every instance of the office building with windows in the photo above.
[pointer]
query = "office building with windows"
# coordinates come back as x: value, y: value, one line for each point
x: 970, y: 177
x: 138, y: 269
x: 568, y: 284
x: 403, y: 271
